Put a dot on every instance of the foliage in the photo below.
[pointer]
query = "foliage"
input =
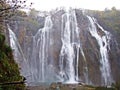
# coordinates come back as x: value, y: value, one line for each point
x: 110, y: 20
x: 9, y: 7
x: 31, y: 22
x: 2, y: 40
x: 9, y: 70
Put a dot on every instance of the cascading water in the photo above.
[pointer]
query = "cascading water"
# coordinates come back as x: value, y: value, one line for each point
x: 103, y: 42
x: 67, y: 50
x: 40, y: 52
x: 70, y: 42
x: 60, y: 51
x: 18, y: 54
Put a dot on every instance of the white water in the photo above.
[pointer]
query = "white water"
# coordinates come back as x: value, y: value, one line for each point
x: 18, y: 54
x: 38, y: 68
x: 103, y: 42
x: 40, y: 52
x: 70, y: 42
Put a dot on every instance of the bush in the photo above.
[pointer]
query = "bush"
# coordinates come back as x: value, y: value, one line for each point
x: 9, y: 70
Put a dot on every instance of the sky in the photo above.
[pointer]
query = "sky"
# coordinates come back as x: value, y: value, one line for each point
x: 47, y: 5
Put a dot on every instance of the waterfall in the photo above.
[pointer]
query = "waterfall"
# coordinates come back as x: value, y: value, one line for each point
x: 18, y: 53
x: 69, y: 55
x: 65, y: 50
x: 40, y: 52
x: 103, y: 42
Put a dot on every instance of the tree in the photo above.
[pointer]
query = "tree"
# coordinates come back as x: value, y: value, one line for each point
x: 33, y: 13
x: 9, y: 7
x: 114, y: 9
x: 9, y: 70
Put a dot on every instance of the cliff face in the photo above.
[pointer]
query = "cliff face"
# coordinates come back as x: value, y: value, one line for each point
x: 71, y: 47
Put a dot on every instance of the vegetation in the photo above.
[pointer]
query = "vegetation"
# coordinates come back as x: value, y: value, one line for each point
x: 33, y: 21
x: 110, y: 20
x: 10, y: 78
x: 8, y: 8
x: 9, y: 71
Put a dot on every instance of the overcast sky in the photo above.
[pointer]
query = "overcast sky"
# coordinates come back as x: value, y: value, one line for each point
x: 86, y: 4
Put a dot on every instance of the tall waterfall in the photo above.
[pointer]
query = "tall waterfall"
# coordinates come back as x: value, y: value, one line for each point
x: 18, y: 53
x: 40, y: 52
x: 103, y: 42
x: 69, y: 55
x: 69, y: 48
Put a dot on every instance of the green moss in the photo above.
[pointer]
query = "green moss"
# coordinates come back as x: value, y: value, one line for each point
x: 2, y: 38
x: 9, y: 70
